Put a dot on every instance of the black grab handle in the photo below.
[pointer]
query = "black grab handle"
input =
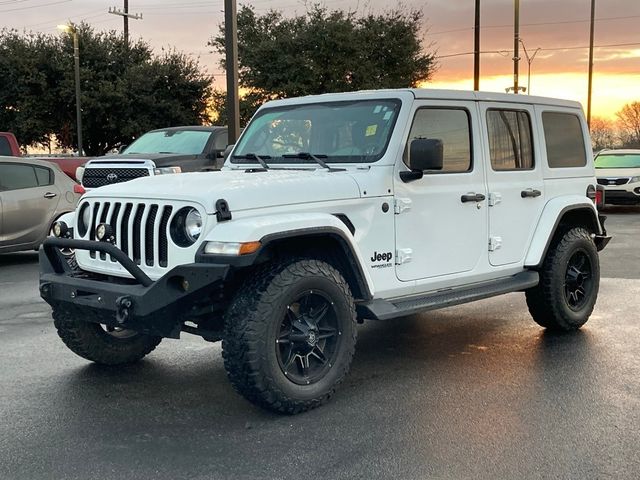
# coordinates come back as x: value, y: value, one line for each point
x: 472, y: 197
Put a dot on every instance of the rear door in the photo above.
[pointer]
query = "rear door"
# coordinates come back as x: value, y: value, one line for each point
x: 29, y: 200
x: 515, y: 181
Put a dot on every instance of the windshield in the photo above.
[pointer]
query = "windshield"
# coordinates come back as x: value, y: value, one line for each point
x: 342, y: 132
x: 183, y: 142
x: 618, y: 160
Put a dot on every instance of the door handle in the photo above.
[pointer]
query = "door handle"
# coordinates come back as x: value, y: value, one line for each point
x: 530, y: 193
x: 472, y: 197
x: 50, y: 195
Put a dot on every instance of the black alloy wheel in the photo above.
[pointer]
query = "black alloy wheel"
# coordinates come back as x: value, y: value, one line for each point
x: 306, y: 346
x: 578, y: 280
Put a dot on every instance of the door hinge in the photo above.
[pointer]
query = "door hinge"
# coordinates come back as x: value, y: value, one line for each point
x: 494, y: 198
x: 494, y: 243
x: 401, y: 204
x: 403, y: 255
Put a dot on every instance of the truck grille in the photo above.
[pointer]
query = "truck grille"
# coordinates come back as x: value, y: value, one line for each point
x: 140, y: 230
x: 613, y: 181
x: 99, y: 177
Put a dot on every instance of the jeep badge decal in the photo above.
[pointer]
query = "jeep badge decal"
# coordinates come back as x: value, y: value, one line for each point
x: 385, y: 258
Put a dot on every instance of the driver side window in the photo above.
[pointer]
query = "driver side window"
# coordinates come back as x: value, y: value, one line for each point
x: 452, y: 127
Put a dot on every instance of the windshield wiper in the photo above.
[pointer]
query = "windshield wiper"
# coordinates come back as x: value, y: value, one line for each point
x: 317, y: 158
x: 258, y: 158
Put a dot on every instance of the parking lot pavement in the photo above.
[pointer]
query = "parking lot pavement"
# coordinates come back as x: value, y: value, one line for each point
x: 476, y: 391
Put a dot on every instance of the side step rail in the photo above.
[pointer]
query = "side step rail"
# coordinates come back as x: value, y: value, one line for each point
x: 379, y: 309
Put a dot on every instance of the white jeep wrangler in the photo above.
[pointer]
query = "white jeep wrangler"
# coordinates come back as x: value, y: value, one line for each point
x: 331, y: 210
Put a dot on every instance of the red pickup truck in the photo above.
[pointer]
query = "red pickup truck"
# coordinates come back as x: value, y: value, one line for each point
x: 9, y: 147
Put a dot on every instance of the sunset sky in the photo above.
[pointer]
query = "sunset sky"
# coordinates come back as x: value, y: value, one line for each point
x: 560, y: 28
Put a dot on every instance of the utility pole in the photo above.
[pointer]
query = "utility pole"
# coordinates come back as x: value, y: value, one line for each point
x: 476, y: 49
x: 589, y: 89
x: 125, y: 16
x: 516, y: 44
x: 231, y: 50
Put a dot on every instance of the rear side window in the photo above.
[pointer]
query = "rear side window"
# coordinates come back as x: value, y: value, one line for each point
x: 221, y: 141
x: 15, y: 177
x: 44, y: 176
x: 5, y: 148
x: 452, y: 127
x: 510, y: 145
x: 564, y: 140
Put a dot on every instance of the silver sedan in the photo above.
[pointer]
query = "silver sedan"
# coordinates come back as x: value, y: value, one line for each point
x: 33, y: 194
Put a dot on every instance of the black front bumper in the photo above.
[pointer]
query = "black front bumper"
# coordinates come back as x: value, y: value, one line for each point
x: 151, y: 307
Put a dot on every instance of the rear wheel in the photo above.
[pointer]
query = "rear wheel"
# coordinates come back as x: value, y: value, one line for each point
x: 569, y: 282
x: 100, y: 344
x: 290, y: 335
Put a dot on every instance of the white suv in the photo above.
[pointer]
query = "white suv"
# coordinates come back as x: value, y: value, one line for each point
x: 331, y: 210
x: 618, y: 171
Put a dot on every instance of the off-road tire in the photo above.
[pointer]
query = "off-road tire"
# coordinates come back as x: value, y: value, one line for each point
x: 250, y: 335
x: 547, y: 302
x: 90, y: 341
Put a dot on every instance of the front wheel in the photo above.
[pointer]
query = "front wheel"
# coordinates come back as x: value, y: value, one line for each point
x: 100, y: 344
x: 290, y: 335
x: 569, y: 282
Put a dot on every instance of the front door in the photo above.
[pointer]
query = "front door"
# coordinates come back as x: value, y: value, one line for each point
x: 441, y: 219
x: 514, y: 178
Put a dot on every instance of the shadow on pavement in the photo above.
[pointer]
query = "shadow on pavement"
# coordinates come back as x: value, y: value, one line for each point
x: 19, y: 258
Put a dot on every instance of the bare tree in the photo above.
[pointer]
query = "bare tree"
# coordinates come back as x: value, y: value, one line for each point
x: 603, y: 133
x: 629, y: 124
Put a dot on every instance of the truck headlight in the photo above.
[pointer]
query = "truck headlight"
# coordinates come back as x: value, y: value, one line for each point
x: 634, y: 179
x: 166, y: 170
x: 231, y: 248
x: 186, y: 227
x: 79, y: 174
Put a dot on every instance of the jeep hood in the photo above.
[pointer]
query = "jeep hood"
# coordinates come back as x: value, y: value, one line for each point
x: 242, y: 190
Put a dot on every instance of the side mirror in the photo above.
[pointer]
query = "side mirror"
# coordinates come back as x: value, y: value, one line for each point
x: 227, y: 151
x: 424, y: 154
x: 121, y: 148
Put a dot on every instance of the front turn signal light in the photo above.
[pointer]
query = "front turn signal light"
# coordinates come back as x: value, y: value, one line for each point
x: 231, y: 248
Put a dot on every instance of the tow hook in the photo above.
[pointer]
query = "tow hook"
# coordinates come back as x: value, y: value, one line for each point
x: 124, y: 305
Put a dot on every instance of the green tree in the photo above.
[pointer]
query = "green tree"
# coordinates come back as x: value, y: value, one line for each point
x: 328, y: 51
x: 126, y: 90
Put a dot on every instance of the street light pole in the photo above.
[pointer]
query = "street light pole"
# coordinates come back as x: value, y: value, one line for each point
x: 529, y: 62
x: 73, y: 31
x: 76, y: 61
x: 476, y: 49
x: 589, y: 89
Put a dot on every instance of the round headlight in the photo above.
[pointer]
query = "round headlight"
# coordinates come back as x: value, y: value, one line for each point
x: 60, y: 229
x: 186, y: 227
x: 193, y: 225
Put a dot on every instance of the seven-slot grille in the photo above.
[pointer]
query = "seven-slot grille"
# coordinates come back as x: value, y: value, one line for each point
x: 140, y: 230
x: 99, y: 177
x: 613, y: 181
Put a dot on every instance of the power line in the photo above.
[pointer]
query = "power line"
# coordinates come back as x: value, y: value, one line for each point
x: 550, y: 49
x: 35, y: 6
x: 535, y: 24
